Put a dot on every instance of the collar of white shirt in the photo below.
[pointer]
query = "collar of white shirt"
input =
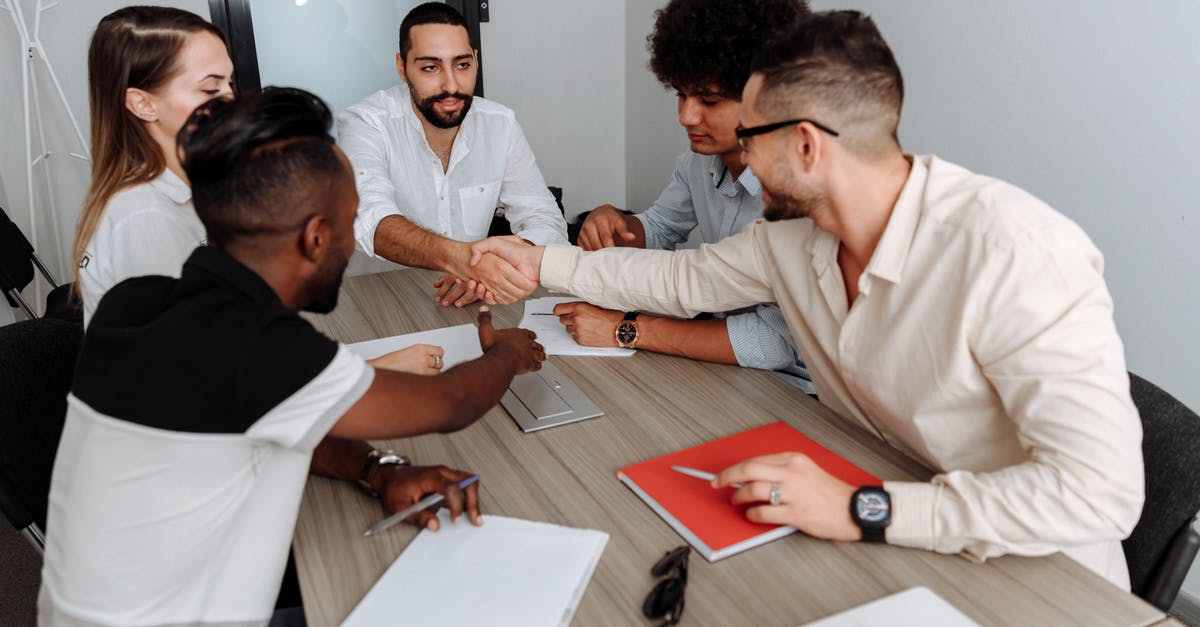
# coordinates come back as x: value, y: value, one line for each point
x: 170, y: 185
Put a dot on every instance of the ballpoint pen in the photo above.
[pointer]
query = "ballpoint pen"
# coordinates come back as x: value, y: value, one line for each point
x: 429, y: 501
x: 700, y: 474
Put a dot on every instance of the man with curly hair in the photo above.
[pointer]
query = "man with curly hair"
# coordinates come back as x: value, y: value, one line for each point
x: 702, y: 49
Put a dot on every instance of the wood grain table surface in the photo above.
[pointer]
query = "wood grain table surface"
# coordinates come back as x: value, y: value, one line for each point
x: 655, y: 404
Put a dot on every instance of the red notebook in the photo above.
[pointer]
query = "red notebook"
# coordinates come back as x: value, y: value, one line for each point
x: 713, y: 526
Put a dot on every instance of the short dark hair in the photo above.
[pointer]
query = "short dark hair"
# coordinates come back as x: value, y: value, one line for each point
x: 258, y: 164
x: 697, y: 43
x: 836, y: 67
x: 428, y: 13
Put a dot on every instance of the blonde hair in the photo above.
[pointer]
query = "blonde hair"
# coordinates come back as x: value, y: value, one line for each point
x: 132, y: 47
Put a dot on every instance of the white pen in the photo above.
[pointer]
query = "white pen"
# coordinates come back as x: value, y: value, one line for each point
x: 700, y: 474
x: 429, y: 501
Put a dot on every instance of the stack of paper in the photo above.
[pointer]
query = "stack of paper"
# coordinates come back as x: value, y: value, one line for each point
x: 915, y: 607
x: 553, y: 335
x: 507, y: 572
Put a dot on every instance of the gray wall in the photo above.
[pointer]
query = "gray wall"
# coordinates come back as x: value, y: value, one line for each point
x: 559, y: 66
x: 653, y: 136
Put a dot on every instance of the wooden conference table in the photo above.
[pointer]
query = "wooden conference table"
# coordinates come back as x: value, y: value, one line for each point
x: 653, y: 405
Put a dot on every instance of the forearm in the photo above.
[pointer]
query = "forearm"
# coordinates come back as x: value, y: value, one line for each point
x: 706, y: 340
x: 400, y: 405
x: 339, y: 458
x: 400, y: 240
x: 717, y: 277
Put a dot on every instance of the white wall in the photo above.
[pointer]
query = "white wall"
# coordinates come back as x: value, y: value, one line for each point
x: 653, y: 137
x: 66, y: 30
x: 559, y: 65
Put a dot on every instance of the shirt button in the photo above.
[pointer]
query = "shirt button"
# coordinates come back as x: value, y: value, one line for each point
x: 481, y: 189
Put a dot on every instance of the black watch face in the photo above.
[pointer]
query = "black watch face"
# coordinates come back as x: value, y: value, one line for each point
x: 872, y: 507
x: 626, y: 333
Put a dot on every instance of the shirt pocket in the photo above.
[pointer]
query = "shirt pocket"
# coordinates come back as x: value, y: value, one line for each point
x: 477, y: 206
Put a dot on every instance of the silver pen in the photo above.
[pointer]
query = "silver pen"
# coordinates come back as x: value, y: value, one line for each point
x: 429, y: 501
x: 700, y: 474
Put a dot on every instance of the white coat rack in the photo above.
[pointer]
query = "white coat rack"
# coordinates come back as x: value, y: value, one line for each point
x: 33, y: 62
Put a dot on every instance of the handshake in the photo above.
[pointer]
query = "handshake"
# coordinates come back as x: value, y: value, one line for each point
x: 497, y: 270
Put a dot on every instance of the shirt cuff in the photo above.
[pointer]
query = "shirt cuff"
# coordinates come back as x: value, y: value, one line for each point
x: 912, y: 513
x: 653, y: 241
x: 558, y: 264
x: 365, y: 224
x: 542, y: 236
x: 757, y: 345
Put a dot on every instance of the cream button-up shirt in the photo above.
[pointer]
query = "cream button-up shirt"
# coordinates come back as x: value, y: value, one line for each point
x: 491, y: 165
x: 982, y: 343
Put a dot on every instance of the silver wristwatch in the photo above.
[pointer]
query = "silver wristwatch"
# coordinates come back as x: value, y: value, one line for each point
x: 375, y: 459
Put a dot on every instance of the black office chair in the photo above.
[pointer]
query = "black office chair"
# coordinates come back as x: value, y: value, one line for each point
x: 17, y: 261
x: 1164, y: 543
x: 37, y: 361
x: 500, y: 225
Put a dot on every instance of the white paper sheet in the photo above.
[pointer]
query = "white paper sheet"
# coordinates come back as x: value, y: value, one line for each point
x: 915, y: 607
x: 460, y: 343
x: 507, y: 572
x: 553, y: 335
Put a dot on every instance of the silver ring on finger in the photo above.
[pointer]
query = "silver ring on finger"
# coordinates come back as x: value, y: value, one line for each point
x: 775, y: 494
x: 437, y: 361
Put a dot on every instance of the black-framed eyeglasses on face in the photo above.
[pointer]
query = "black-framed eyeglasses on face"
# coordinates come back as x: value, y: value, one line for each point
x: 666, y: 597
x: 746, y: 133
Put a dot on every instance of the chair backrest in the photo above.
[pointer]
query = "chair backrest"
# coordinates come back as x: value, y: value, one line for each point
x: 1171, y: 452
x: 16, y: 264
x: 37, y: 361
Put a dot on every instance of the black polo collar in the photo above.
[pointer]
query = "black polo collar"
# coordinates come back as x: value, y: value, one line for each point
x: 211, y: 264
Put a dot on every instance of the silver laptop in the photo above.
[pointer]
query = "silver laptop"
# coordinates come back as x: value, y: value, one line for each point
x: 546, y: 398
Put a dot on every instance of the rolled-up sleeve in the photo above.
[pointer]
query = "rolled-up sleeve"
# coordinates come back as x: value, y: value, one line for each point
x: 528, y: 204
x: 671, y: 218
x: 761, y: 339
x: 366, y: 146
x: 1046, y: 341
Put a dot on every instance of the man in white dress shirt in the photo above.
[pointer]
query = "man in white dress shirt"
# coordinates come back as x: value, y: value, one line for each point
x: 952, y: 315
x: 433, y: 163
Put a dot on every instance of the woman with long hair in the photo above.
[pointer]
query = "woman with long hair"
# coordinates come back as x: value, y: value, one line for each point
x: 148, y: 69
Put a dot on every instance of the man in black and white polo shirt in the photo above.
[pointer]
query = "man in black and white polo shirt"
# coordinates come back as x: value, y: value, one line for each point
x: 198, y: 401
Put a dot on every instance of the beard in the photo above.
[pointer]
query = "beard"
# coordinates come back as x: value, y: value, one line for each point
x: 794, y: 200
x: 441, y: 120
x: 323, y: 291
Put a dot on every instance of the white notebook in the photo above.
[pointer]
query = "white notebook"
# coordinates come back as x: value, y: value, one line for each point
x: 553, y: 335
x: 507, y: 572
x: 915, y: 607
x: 460, y: 343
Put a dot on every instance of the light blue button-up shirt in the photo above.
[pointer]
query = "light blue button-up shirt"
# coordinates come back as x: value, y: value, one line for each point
x: 703, y: 194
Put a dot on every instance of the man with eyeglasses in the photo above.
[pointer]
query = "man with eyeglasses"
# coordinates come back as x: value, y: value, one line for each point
x: 953, y: 315
x: 710, y: 190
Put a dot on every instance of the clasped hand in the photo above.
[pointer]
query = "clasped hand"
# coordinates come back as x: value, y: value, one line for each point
x: 493, y: 278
